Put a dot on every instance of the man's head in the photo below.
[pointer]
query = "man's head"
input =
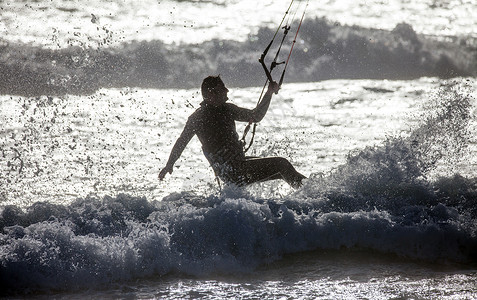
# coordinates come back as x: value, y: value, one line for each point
x: 214, y: 91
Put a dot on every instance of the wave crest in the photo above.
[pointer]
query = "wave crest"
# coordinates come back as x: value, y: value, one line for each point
x: 325, y: 50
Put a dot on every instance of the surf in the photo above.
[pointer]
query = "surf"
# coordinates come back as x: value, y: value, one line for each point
x: 325, y: 50
x: 391, y: 198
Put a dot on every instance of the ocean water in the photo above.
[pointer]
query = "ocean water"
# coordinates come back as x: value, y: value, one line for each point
x: 378, y: 109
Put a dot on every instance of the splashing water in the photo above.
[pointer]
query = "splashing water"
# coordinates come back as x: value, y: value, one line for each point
x: 408, y: 161
x: 381, y: 199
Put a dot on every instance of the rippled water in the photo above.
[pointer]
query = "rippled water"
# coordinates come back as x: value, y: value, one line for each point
x: 60, y: 23
x: 117, y: 140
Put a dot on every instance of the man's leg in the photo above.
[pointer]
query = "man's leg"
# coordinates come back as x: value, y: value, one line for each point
x: 270, y: 168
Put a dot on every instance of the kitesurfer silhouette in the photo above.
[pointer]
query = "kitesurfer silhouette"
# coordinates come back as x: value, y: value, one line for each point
x: 214, y: 125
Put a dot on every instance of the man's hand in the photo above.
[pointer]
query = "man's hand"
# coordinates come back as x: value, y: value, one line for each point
x: 167, y: 169
x: 273, y: 87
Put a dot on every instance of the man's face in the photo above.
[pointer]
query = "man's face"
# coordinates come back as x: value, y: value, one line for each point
x: 220, y: 94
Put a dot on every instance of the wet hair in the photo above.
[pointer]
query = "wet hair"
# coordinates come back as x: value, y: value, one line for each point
x: 209, y: 84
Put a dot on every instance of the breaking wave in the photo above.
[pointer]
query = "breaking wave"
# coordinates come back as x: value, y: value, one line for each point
x: 382, y: 199
x: 325, y: 50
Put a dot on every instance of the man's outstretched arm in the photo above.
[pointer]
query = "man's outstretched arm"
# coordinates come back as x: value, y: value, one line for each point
x: 176, y: 152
